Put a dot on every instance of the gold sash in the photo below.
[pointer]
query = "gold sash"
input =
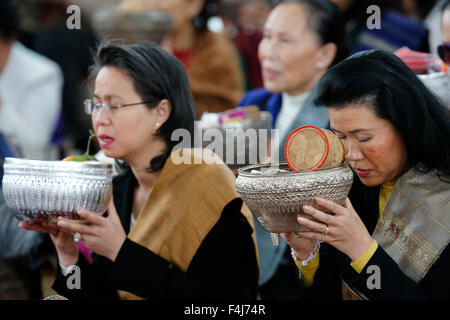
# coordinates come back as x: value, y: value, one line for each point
x: 186, y: 202
x: 349, y: 293
x: 414, y: 226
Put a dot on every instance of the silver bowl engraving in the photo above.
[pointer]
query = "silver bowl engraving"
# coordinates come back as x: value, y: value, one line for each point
x: 276, y: 199
x: 44, y: 190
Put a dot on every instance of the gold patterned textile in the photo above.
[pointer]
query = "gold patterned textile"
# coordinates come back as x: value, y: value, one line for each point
x: 349, y: 293
x: 186, y: 202
x: 415, y: 225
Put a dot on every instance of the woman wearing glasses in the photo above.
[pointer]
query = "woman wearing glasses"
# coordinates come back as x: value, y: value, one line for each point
x: 173, y: 230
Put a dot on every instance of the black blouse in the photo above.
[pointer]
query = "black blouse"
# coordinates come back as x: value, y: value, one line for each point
x: 225, y: 265
x: 394, y: 284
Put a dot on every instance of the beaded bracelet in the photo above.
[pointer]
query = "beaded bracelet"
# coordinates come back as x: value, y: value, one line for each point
x: 303, y: 263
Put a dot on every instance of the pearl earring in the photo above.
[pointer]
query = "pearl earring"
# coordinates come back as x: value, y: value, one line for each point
x: 319, y: 65
x: 157, y: 124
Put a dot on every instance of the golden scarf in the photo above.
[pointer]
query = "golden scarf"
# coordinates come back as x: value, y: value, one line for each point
x: 185, y: 203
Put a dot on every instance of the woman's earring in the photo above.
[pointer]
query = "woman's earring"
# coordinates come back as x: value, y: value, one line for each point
x: 319, y: 65
x: 157, y: 124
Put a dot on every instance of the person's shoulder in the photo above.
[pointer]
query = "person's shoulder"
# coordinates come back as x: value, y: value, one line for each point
x: 214, y: 37
x: 219, y: 44
x: 30, y: 60
x: 255, y: 96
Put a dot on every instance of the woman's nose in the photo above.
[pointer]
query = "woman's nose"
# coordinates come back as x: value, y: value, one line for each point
x: 266, y: 49
x: 353, y: 152
x: 101, y: 117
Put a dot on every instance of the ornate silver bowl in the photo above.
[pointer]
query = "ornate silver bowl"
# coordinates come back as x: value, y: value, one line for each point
x: 276, y: 198
x: 44, y: 190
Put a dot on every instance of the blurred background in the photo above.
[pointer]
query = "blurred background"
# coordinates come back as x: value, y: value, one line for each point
x: 44, y: 74
x: 42, y: 28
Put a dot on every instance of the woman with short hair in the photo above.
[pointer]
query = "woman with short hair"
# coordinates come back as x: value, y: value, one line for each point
x: 172, y: 230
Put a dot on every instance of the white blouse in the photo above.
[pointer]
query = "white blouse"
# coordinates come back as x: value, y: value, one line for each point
x: 290, y: 107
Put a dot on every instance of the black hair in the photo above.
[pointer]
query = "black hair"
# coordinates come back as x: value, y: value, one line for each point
x: 9, y: 20
x: 446, y: 5
x: 156, y: 75
x: 381, y: 80
x: 326, y: 19
x: 209, y: 9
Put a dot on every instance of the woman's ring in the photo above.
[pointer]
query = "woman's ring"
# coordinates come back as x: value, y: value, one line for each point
x: 77, y: 237
x: 325, y: 232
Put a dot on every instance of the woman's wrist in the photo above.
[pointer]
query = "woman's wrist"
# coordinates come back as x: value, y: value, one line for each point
x: 358, y: 250
x: 114, y: 252
x: 302, y: 255
x: 68, y: 260
x: 359, y: 264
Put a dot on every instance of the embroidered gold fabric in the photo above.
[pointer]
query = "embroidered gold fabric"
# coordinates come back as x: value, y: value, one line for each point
x: 414, y: 226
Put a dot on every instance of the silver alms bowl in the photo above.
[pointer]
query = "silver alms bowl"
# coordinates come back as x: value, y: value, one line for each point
x: 276, y: 198
x: 44, y: 190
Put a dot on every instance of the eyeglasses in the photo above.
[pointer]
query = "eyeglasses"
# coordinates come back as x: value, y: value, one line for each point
x: 444, y: 52
x: 90, y: 107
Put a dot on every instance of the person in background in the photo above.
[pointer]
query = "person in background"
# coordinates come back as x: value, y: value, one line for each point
x: 301, y: 40
x: 389, y: 240
x: 244, y: 22
x: 210, y: 59
x: 30, y: 90
x: 401, y: 23
x: 22, y: 256
x: 22, y: 253
x: 444, y: 48
x: 174, y: 229
x: 355, y: 16
x: 72, y: 50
